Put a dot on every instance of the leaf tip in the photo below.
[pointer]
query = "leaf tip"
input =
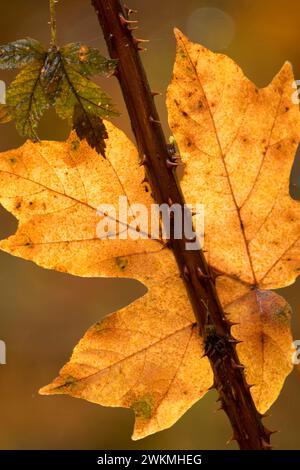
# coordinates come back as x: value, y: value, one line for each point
x: 178, y: 34
x: 60, y: 385
x: 46, y: 390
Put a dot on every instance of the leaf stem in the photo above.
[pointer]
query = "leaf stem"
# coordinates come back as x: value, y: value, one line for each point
x: 53, y: 22
x: 230, y: 382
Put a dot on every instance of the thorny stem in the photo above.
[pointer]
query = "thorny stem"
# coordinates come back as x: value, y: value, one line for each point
x: 53, y: 22
x: 235, y: 396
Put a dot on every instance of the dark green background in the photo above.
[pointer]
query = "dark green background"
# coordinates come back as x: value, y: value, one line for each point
x: 43, y: 314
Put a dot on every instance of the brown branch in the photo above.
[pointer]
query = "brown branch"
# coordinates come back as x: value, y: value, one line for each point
x: 230, y: 381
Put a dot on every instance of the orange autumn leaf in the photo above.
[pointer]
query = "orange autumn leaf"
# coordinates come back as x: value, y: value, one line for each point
x: 262, y: 323
x: 263, y: 319
x: 238, y: 145
x: 54, y: 189
x: 148, y: 356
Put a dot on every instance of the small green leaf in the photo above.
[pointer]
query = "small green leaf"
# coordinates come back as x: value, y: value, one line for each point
x: 77, y: 89
x: 20, y: 53
x: 87, y: 60
x: 27, y: 100
x: 4, y: 114
x: 60, y: 78
x: 90, y: 127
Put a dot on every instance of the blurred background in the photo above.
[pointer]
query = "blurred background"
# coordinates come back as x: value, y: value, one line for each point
x: 43, y: 314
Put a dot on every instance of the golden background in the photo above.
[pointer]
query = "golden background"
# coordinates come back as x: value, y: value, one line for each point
x: 43, y: 314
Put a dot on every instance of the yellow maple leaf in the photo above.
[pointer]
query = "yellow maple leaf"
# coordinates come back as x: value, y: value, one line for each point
x: 54, y: 190
x: 148, y: 356
x: 262, y: 321
x: 238, y: 145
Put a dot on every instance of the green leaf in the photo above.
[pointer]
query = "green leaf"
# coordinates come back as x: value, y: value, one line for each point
x: 20, y: 53
x: 84, y: 104
x: 77, y: 89
x: 27, y: 99
x: 4, y: 114
x: 87, y: 60
x: 60, y: 78
x: 90, y: 127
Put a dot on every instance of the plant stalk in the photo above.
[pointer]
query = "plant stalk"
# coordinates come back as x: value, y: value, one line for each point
x: 53, y: 22
x: 235, y: 396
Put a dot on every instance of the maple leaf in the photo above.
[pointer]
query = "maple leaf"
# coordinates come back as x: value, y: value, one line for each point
x: 238, y: 145
x: 54, y: 189
x: 148, y: 356
x: 60, y: 78
x: 262, y: 324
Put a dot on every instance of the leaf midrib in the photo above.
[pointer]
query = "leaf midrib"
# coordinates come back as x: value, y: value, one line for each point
x: 255, y: 282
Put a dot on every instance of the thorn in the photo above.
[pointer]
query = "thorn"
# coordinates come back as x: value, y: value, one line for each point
x: 177, y: 158
x: 265, y: 444
x: 144, y: 160
x: 231, y: 323
x: 186, y: 273
x: 142, y: 49
x: 249, y: 386
x: 237, y: 366
x: 263, y: 416
x: 269, y: 433
x: 171, y: 164
x: 234, y: 341
x: 201, y: 274
x: 114, y: 73
x: 218, y: 362
x: 125, y: 22
x: 151, y: 119
x: 221, y: 408
x: 145, y: 180
x: 129, y: 11
x: 231, y: 439
x: 156, y: 93
x: 139, y: 41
